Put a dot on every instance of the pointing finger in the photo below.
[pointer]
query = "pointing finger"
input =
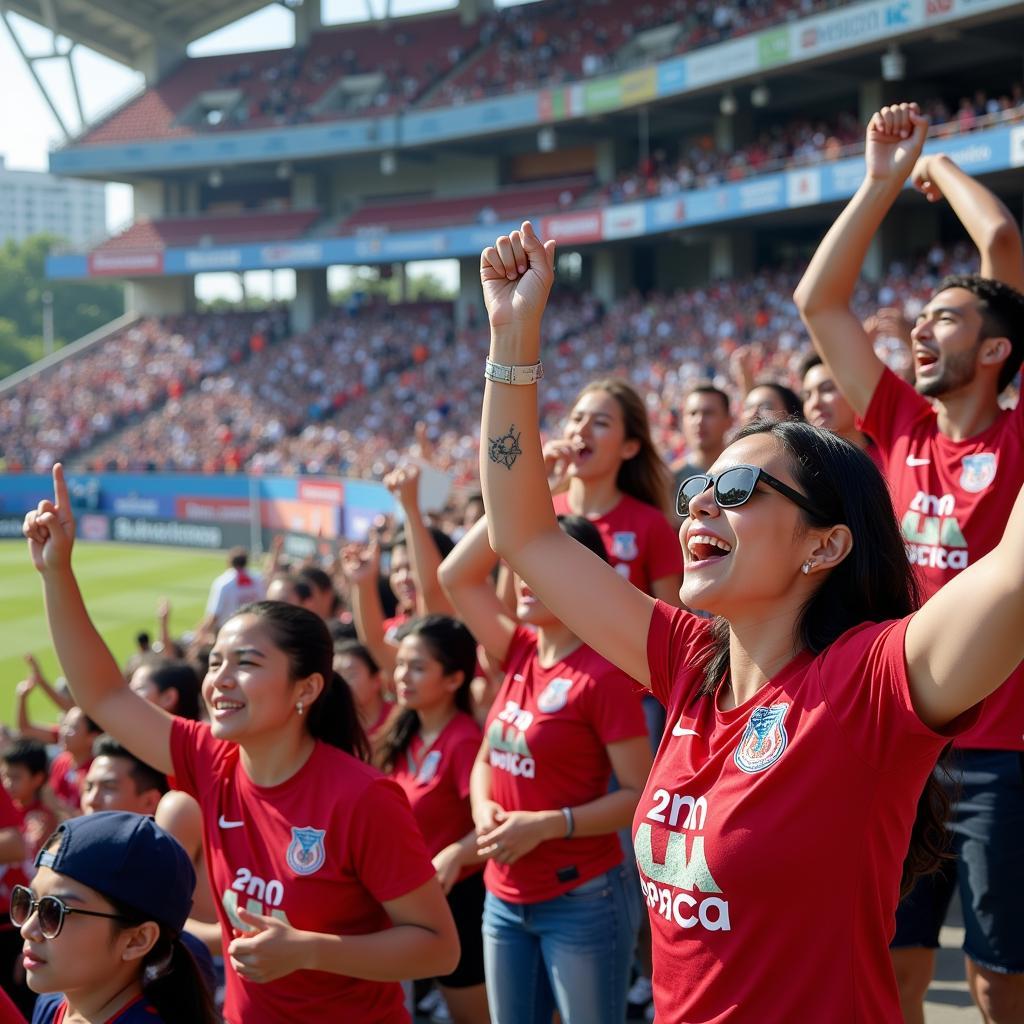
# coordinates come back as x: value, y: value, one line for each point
x: 60, y: 487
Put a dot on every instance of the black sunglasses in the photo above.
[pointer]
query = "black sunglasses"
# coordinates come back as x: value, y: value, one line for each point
x: 52, y: 911
x: 733, y: 487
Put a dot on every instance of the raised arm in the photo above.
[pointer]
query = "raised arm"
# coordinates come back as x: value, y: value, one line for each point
x: 361, y: 567
x: 583, y: 591
x: 26, y: 727
x: 989, y: 223
x: 895, y: 136
x: 967, y: 638
x: 466, y: 575
x: 35, y: 674
x: 96, y: 682
x: 424, y: 558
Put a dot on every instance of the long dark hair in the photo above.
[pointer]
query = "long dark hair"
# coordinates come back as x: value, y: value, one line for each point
x: 874, y: 583
x: 307, y: 642
x: 645, y: 476
x: 171, y: 979
x: 451, y: 644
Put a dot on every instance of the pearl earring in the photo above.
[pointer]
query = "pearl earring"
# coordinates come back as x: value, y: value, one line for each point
x: 806, y: 567
x: 298, y: 706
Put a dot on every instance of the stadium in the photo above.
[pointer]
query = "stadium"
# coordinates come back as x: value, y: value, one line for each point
x: 687, y: 157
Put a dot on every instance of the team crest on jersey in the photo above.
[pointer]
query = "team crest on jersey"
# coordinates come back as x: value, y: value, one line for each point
x: 624, y: 546
x: 306, y: 854
x: 429, y: 767
x: 978, y: 471
x: 554, y: 696
x: 763, y: 740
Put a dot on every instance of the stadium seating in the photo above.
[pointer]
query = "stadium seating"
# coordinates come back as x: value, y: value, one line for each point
x: 253, y: 226
x: 512, y: 201
x: 68, y: 407
x: 346, y: 396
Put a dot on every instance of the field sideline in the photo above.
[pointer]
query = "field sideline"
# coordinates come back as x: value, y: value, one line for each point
x: 122, y: 585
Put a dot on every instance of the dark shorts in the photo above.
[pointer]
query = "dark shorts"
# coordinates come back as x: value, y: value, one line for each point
x: 466, y: 901
x: 987, y: 827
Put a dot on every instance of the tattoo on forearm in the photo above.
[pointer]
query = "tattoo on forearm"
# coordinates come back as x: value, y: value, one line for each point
x: 505, y: 450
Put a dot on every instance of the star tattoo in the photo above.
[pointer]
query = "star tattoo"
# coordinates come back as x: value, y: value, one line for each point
x: 505, y: 450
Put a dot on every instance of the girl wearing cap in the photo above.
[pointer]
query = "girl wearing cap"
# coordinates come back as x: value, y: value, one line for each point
x: 327, y: 895
x: 807, y: 716
x: 101, y: 940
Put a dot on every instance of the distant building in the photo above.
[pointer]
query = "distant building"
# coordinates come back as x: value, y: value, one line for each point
x: 33, y: 203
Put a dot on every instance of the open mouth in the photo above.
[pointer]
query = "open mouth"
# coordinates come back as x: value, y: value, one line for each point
x: 924, y: 359
x: 705, y: 547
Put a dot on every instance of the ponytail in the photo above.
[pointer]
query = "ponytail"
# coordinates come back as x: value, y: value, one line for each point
x: 172, y: 982
x: 307, y: 643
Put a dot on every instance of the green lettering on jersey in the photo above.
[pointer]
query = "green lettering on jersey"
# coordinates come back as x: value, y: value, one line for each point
x: 678, y: 870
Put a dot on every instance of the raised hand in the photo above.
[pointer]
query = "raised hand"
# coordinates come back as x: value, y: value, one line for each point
x: 921, y: 178
x: 360, y: 564
x: 895, y: 137
x: 50, y: 528
x: 516, y: 273
x: 560, y: 456
x: 404, y: 484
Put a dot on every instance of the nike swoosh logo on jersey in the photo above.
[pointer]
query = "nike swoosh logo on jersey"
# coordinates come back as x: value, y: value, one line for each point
x: 519, y: 678
x: 914, y: 461
x: 677, y: 730
x: 224, y: 823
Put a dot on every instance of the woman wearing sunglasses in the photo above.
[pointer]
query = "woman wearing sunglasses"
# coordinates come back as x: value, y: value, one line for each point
x: 101, y: 939
x: 326, y: 895
x: 805, y: 718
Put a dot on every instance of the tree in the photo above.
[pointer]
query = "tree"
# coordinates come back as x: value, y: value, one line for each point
x: 78, y: 306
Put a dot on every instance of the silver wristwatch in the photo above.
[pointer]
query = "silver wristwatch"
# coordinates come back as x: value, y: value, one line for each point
x: 504, y: 373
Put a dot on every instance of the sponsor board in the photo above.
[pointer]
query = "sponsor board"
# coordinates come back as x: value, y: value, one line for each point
x: 624, y: 221
x: 134, y: 505
x: 321, y: 490
x: 10, y: 526
x: 773, y: 47
x: 213, y: 259
x: 803, y: 188
x: 287, y: 255
x: 93, y: 527
x: 671, y: 77
x: 312, y: 518
x: 723, y: 63
x: 1017, y: 147
x: 118, y: 264
x: 213, y: 510
x: 573, y: 227
x: 174, y: 533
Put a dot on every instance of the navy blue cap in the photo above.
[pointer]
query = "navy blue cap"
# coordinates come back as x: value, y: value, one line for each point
x: 127, y: 858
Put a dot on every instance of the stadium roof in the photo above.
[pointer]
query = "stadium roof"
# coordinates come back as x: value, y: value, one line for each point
x: 124, y: 29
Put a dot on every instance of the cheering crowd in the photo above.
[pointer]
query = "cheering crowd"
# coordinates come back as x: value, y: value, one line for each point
x: 793, y: 672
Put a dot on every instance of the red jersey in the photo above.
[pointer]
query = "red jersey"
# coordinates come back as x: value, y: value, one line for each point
x: 953, y: 499
x: 640, y: 541
x: 436, y: 781
x: 67, y: 779
x: 770, y: 838
x: 322, y: 850
x: 10, y: 874
x: 547, y: 731
x: 38, y: 823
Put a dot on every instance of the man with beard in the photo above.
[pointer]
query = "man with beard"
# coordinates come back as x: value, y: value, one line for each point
x: 955, y: 461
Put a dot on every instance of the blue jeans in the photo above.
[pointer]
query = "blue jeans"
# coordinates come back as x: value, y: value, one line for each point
x: 572, y: 952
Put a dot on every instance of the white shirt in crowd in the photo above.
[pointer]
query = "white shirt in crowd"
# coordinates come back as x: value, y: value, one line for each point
x: 232, y: 589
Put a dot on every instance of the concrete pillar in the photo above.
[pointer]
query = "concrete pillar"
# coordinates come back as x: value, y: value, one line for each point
x: 308, y: 19
x: 605, y: 168
x: 469, y: 300
x: 163, y: 296
x: 400, y: 277
x: 311, y: 299
x: 148, y: 199
x: 722, y: 265
x: 725, y: 133
x: 304, y: 191
x: 159, y: 57
x: 871, y: 97
x: 602, y: 276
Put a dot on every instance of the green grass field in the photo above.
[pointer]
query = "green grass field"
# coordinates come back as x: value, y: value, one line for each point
x: 122, y: 585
